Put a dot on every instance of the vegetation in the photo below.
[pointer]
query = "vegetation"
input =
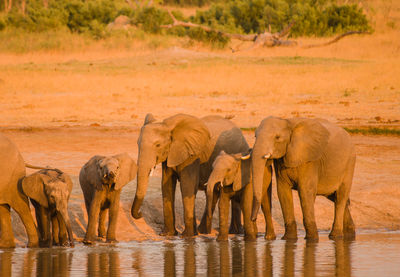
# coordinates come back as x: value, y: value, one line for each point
x: 312, y: 17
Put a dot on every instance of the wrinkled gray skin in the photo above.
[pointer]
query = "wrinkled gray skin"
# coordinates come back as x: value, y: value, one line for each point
x: 102, y: 179
x: 49, y: 191
x: 12, y: 168
x: 232, y: 174
x: 312, y: 156
x: 186, y: 146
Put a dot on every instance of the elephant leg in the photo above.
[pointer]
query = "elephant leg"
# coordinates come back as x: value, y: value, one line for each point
x: 307, y: 188
x: 55, y: 230
x: 6, y: 232
x: 236, y: 226
x: 189, y: 179
x: 250, y: 227
x: 206, y: 223
x: 349, y: 231
x: 113, y: 217
x: 223, y: 205
x: 342, y: 195
x: 102, y: 223
x: 93, y: 218
x: 22, y: 208
x: 286, y: 200
x: 348, y: 224
x: 168, y: 187
x: 266, y: 208
x: 63, y: 233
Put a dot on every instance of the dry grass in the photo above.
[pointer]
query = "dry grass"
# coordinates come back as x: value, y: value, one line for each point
x: 354, y: 82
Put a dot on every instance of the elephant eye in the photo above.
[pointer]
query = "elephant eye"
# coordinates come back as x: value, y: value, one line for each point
x: 158, y: 144
x: 277, y: 137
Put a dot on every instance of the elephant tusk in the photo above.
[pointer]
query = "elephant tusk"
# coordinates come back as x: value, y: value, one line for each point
x: 105, y: 175
x: 152, y: 171
x: 267, y: 156
x: 245, y: 157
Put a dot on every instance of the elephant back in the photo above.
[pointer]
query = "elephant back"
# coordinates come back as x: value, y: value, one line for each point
x: 12, y: 168
x: 226, y: 136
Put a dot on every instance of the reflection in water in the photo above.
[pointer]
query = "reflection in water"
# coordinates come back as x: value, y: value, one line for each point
x: 103, y: 264
x: 205, y: 257
x: 343, y: 258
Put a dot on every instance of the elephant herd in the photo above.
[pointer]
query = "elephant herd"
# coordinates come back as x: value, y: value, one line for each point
x: 312, y: 156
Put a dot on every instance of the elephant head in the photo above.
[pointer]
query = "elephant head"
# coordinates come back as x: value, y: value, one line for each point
x: 178, y: 141
x: 296, y: 141
x: 51, y: 188
x: 108, y: 171
x: 228, y: 170
x: 113, y: 171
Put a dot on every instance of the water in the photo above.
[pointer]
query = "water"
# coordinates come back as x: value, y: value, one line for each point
x: 369, y: 255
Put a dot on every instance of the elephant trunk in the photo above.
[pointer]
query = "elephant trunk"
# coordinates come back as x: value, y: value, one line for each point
x: 212, y: 181
x: 258, y: 166
x: 64, y: 214
x: 141, y: 188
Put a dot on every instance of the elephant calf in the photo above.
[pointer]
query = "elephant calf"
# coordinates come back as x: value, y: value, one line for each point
x: 49, y: 191
x: 233, y: 173
x: 102, y: 179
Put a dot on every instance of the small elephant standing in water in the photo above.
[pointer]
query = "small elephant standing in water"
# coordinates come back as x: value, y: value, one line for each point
x: 312, y: 156
x: 102, y: 179
x: 233, y: 173
x: 49, y: 191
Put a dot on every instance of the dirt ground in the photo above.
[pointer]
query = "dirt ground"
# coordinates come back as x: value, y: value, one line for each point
x: 62, y: 108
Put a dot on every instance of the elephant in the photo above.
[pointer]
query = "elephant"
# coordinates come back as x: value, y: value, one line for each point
x: 312, y: 156
x: 12, y: 167
x: 102, y: 179
x: 186, y: 146
x: 49, y: 191
x: 233, y: 174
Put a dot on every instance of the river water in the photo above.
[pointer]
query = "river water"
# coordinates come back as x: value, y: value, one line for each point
x: 375, y: 254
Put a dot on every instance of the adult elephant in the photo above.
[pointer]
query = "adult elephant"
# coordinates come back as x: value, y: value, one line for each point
x: 186, y: 146
x: 49, y: 191
x: 102, y: 179
x: 12, y: 168
x: 312, y: 156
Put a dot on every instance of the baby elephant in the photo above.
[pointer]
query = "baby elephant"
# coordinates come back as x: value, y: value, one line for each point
x: 233, y: 173
x: 102, y: 179
x: 49, y: 191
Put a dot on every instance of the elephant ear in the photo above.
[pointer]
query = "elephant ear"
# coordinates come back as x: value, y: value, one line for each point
x: 307, y: 143
x: 149, y: 119
x: 127, y: 170
x: 190, y: 139
x: 242, y: 177
x: 33, y: 187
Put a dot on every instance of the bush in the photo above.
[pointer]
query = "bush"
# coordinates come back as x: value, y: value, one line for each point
x: 312, y: 17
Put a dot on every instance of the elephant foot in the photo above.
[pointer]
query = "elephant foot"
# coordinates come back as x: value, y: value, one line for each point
x: 166, y: 233
x: 270, y: 236
x: 112, y: 241
x: 188, y: 234
x: 336, y: 235
x: 88, y: 241
x: 102, y: 236
x: 203, y: 229
x: 66, y: 244
x: 223, y: 237
x: 250, y: 237
x: 311, y: 238
x: 290, y: 237
x: 46, y: 243
x: 33, y: 244
x: 7, y: 243
x: 236, y: 229
x: 350, y: 233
